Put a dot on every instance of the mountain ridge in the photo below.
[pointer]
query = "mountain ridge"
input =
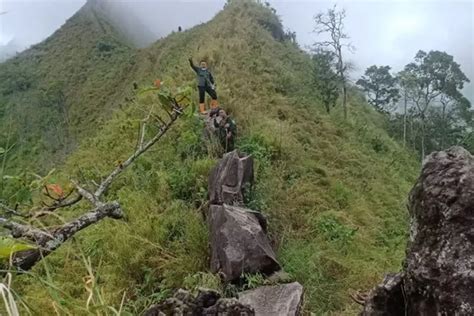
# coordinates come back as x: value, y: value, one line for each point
x: 333, y: 190
x: 57, y: 85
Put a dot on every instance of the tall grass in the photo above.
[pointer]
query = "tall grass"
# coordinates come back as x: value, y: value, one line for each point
x: 8, y: 298
x: 333, y: 190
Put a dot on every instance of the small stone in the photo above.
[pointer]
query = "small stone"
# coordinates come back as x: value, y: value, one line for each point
x: 281, y: 300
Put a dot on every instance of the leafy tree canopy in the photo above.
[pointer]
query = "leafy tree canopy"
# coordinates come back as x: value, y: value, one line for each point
x: 380, y: 87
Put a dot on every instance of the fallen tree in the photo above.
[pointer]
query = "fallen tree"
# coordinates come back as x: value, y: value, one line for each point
x: 47, y: 240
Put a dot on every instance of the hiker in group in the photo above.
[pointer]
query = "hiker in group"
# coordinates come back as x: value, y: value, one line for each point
x: 226, y: 130
x: 205, y: 84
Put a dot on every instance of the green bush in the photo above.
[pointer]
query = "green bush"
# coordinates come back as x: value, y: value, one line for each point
x: 205, y: 280
x: 332, y: 230
x: 341, y: 195
x: 260, y: 148
x: 378, y: 145
x: 252, y: 281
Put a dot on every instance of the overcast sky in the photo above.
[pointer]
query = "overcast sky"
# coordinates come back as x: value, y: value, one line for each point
x: 384, y: 32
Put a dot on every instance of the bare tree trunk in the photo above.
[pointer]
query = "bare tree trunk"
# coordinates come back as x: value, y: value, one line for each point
x: 405, y: 121
x: 445, y: 128
x: 4, y: 157
x: 422, y: 138
x: 344, y: 99
x: 340, y: 66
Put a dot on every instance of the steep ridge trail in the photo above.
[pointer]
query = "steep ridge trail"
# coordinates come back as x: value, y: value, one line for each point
x: 239, y: 246
x: 333, y: 190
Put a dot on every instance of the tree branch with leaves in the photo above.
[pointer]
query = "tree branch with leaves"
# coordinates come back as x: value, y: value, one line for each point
x: 47, y: 239
x: 380, y: 87
x: 431, y: 76
x: 326, y: 80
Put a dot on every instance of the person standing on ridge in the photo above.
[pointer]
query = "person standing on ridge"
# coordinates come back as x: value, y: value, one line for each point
x: 205, y: 84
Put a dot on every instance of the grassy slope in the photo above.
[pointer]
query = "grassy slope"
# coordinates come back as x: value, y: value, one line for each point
x: 57, y: 90
x: 334, y: 191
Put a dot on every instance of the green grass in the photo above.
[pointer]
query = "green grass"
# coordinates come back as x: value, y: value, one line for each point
x: 54, y: 93
x: 334, y: 190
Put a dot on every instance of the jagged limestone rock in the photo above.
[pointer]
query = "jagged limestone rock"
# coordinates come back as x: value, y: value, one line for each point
x: 239, y: 243
x: 440, y: 258
x: 438, y: 276
x: 282, y: 300
x: 229, y: 179
x: 207, y: 302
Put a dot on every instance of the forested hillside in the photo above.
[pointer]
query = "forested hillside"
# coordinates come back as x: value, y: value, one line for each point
x: 59, y: 89
x: 334, y: 190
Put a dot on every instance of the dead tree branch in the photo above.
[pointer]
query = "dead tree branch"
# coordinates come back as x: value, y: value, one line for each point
x: 143, y: 147
x: 47, y: 243
x: 10, y: 211
x: 63, y: 203
x: 48, y: 240
x: 359, y: 298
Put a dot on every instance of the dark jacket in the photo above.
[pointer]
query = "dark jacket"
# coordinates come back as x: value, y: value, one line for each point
x: 223, y: 128
x: 204, y: 76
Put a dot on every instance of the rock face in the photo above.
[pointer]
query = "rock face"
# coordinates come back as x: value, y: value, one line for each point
x: 207, y: 302
x: 438, y: 276
x: 281, y: 300
x: 239, y: 243
x: 440, y: 258
x: 228, y: 180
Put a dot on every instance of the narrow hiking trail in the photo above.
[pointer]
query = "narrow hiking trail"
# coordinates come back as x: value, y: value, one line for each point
x: 239, y: 246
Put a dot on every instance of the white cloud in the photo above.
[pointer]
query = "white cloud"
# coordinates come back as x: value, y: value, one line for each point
x: 5, y: 39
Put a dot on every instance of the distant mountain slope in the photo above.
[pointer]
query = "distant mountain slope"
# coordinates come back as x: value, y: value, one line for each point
x: 333, y: 190
x: 8, y: 50
x: 125, y: 22
x: 57, y: 90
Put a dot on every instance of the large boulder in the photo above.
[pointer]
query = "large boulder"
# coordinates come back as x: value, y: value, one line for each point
x: 281, y: 300
x: 439, y: 267
x: 239, y: 243
x: 440, y: 257
x: 206, y: 302
x: 230, y: 178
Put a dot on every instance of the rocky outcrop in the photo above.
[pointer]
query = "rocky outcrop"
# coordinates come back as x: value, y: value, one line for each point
x: 438, y: 275
x: 239, y: 243
x: 230, y: 178
x: 207, y: 302
x: 282, y: 299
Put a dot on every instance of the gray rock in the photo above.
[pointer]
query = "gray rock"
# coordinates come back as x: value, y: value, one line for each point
x: 440, y: 257
x: 229, y: 307
x: 386, y: 299
x: 438, y: 274
x: 230, y: 178
x: 277, y: 300
x: 238, y: 243
x: 207, y: 302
